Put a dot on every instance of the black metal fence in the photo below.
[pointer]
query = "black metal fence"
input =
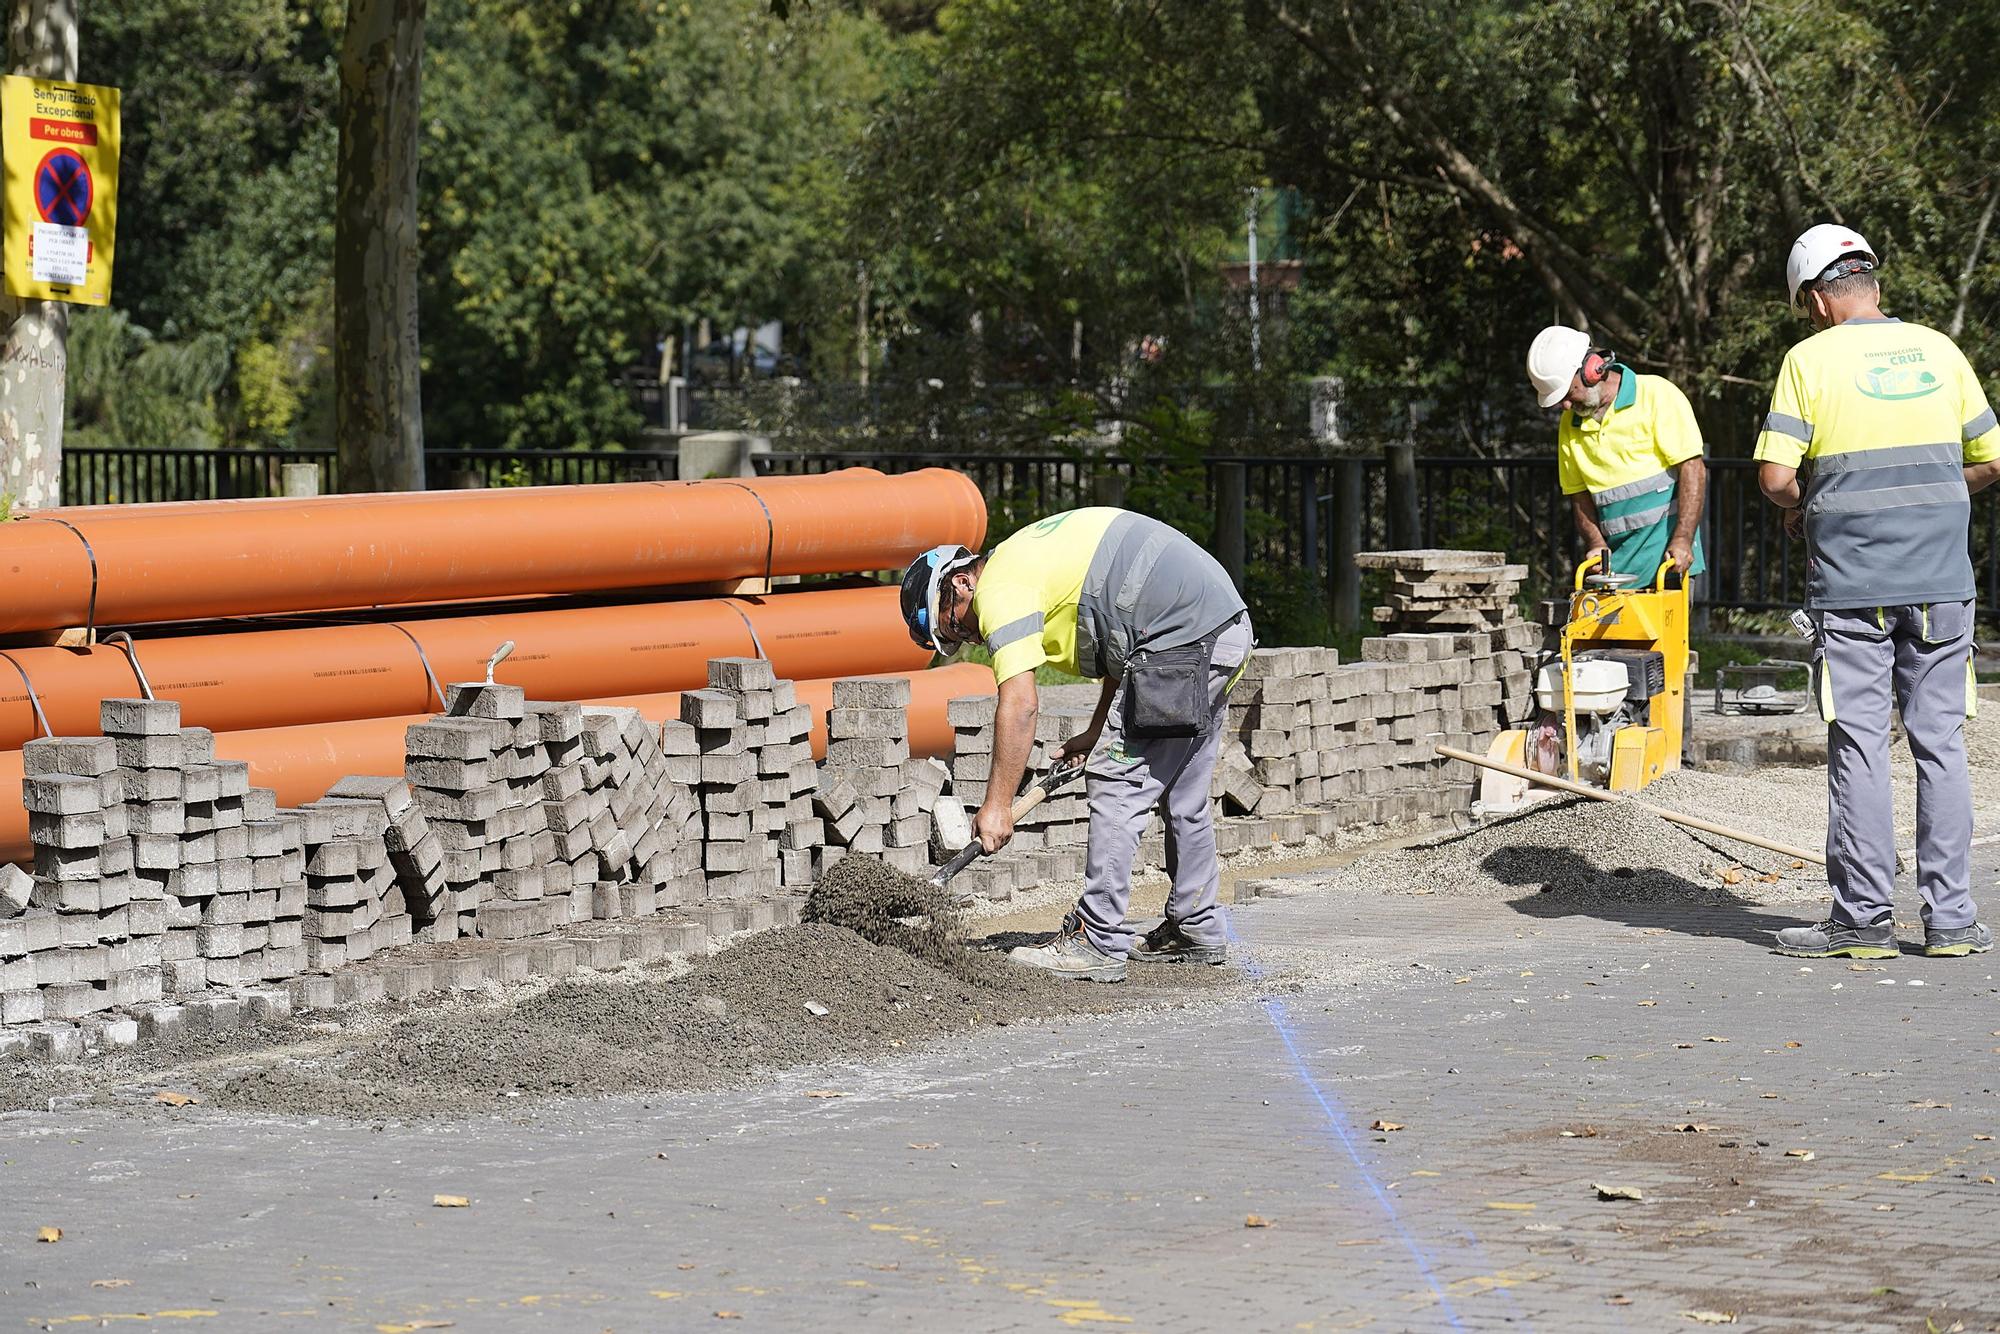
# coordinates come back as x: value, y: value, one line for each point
x: 1301, y: 515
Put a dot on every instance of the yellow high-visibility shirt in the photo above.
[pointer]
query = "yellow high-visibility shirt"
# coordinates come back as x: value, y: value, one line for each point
x: 1027, y: 597
x: 1650, y: 428
x: 1885, y: 415
x: 1876, y: 384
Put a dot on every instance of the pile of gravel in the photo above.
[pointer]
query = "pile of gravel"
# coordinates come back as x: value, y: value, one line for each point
x: 889, y: 907
x: 1584, y: 847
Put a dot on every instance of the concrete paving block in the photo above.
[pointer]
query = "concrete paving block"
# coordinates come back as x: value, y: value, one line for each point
x: 872, y: 692
x: 552, y: 958
x: 90, y: 757
x: 55, y: 1041
x: 160, y: 1022
x: 109, y: 1032
x: 312, y: 991
x: 602, y: 952
x: 140, y: 717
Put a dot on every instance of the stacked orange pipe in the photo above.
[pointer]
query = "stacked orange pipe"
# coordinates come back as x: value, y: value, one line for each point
x: 138, y: 564
x: 301, y: 763
x: 251, y: 679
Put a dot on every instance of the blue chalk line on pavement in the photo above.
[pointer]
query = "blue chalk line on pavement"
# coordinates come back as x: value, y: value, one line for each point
x: 1336, y: 1119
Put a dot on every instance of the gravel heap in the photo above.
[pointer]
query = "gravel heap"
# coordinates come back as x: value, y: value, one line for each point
x: 871, y: 898
x: 1588, y: 847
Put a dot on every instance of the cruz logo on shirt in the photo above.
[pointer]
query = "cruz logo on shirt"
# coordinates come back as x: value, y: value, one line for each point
x: 1894, y: 382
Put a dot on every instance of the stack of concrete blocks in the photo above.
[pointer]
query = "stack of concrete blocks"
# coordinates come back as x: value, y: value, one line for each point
x: 75, y: 955
x: 216, y: 876
x: 739, y: 851
x: 640, y: 836
x: 1435, y: 590
x: 777, y: 734
x: 1307, y: 736
x: 414, y: 853
x: 867, y: 757
x: 354, y: 907
x: 1048, y: 842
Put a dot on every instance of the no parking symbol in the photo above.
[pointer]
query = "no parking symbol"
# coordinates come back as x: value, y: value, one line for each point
x: 61, y: 142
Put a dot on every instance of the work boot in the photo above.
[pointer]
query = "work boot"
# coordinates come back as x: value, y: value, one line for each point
x: 1955, y: 942
x: 1167, y: 943
x: 1832, y: 939
x: 1071, y: 955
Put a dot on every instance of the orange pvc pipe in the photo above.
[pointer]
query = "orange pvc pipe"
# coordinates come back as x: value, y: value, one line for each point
x: 251, y: 679
x: 301, y: 763
x: 200, y: 560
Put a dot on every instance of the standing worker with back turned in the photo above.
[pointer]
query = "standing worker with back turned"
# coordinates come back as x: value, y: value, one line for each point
x: 1628, y: 455
x: 1127, y: 599
x: 1895, y: 431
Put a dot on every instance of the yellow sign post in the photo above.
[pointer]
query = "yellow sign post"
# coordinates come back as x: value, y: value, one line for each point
x: 61, y: 183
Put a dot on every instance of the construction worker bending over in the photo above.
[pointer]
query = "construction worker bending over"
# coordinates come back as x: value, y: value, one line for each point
x: 1628, y: 455
x: 1137, y: 604
x: 1896, y: 434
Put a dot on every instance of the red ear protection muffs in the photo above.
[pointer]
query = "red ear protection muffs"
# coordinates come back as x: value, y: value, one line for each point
x: 1596, y: 365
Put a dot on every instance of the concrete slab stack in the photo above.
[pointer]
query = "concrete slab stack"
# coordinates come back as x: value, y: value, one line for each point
x: 79, y: 932
x: 740, y: 854
x: 867, y: 754
x: 1432, y: 590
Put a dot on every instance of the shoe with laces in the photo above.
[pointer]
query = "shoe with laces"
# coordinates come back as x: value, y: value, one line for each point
x: 1958, y: 941
x: 1831, y: 939
x: 1167, y: 943
x: 1071, y: 955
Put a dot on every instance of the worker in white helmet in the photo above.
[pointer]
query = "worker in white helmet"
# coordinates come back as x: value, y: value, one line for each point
x: 1894, y: 432
x: 1628, y: 455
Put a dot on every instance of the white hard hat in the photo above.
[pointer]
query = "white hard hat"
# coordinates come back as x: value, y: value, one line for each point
x: 1818, y: 249
x: 1554, y: 359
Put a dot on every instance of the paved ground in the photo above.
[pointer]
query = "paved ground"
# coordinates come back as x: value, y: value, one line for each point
x: 1112, y: 1172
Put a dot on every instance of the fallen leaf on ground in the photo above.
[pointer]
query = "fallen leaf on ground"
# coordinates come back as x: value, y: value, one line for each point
x: 1582, y: 1132
x: 174, y: 1098
x: 1515, y: 1206
x: 1986, y: 1181
x: 1611, y: 1192
x: 1803, y: 1155
x: 450, y: 1202
x: 1460, y: 981
x: 1711, y: 1317
x: 923, y: 1146
x: 1794, y: 1046
x: 411, y: 1326
x: 1929, y: 1105
x: 111, y: 1283
x: 1768, y: 878
x: 1618, y: 1300
x: 1712, y: 1038
x: 48, y: 1234
x: 1798, y: 865
x: 1767, y: 1095
x: 728, y: 1315
x: 1693, y: 1128
x: 1255, y: 1220
x: 1982, y: 1137
x: 1732, y: 876
x: 1682, y: 1046
x: 1597, y: 1056
x: 820, y: 1093
x: 1649, y: 1002
x: 1386, y: 1125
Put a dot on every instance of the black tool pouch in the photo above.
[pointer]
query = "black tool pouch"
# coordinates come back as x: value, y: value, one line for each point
x: 1166, y: 691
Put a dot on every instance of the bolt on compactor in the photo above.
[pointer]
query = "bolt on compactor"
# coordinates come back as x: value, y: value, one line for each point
x: 1610, y: 702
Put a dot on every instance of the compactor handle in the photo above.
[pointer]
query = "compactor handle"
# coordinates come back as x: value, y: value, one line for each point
x: 1590, y: 562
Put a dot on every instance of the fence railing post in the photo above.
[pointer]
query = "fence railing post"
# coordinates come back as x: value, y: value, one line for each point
x: 1231, y: 519
x: 1350, y: 477
x: 299, y: 479
x: 1405, y: 528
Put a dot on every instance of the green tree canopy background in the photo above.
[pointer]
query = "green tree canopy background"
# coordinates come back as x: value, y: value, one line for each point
x: 1001, y: 192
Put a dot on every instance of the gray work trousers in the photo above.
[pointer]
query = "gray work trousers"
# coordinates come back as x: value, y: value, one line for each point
x: 1921, y: 657
x: 1126, y: 780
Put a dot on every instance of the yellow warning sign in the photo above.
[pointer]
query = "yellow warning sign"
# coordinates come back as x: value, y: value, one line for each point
x: 61, y: 169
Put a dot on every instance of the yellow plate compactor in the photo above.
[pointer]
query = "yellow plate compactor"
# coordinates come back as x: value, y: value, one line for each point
x: 1610, y: 706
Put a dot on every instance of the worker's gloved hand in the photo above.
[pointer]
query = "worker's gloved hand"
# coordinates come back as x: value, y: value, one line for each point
x: 993, y: 826
x: 1682, y: 555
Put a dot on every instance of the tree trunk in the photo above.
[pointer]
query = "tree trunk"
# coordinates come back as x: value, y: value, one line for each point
x: 34, y: 335
x: 378, y: 398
